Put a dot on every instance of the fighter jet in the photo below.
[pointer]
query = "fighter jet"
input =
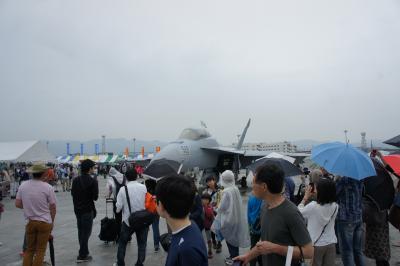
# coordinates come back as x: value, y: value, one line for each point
x: 196, y: 148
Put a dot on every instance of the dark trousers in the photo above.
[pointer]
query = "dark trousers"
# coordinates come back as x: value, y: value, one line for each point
x: 254, y: 239
x: 233, y: 251
x: 382, y: 263
x: 118, y: 219
x: 141, y: 238
x: 156, y: 231
x: 85, y: 224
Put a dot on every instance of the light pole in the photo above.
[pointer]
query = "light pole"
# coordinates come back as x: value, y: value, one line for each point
x: 134, y: 147
x: 345, y: 135
x: 103, y: 144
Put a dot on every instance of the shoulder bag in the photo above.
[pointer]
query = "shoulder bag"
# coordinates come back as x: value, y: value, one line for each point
x: 323, y: 230
x: 140, y: 219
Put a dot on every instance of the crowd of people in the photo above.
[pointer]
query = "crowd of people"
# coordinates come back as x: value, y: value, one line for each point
x: 277, y: 228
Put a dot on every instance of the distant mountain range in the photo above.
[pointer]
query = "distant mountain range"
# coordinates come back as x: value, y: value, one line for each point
x: 308, y: 144
x: 118, y: 145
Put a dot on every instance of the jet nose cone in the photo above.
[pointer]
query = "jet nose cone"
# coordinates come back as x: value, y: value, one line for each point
x: 170, y: 152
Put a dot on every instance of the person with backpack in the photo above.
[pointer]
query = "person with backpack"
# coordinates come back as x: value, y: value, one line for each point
x: 130, y: 199
x: 115, y: 182
x: 151, y: 206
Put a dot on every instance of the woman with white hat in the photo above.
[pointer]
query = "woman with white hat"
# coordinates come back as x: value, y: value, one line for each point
x: 230, y: 221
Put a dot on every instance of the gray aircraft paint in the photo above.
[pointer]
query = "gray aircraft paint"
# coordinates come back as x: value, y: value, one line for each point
x: 197, y: 148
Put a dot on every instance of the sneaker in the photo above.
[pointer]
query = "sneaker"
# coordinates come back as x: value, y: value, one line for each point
x: 210, y: 255
x: 228, y: 261
x: 156, y: 249
x: 80, y: 259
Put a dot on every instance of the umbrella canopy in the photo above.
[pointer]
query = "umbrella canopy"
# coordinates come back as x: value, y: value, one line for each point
x: 160, y: 168
x: 288, y: 168
x: 344, y: 160
x: 393, y: 141
x: 379, y: 188
x: 394, y: 162
x: 278, y: 155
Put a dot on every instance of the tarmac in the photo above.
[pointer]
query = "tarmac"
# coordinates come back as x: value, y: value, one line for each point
x: 66, y: 237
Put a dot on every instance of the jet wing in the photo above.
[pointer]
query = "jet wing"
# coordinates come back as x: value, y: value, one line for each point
x: 265, y: 153
x: 259, y: 154
x: 227, y: 150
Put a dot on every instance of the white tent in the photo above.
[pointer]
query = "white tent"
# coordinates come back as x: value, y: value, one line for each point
x: 25, y: 151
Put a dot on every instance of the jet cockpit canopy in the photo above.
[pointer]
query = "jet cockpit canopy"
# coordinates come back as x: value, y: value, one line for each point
x: 194, y: 134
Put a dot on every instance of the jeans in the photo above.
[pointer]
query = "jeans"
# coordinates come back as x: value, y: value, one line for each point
x: 156, y: 231
x: 85, y: 223
x: 254, y: 239
x: 233, y: 251
x: 141, y: 238
x: 37, y: 235
x: 350, y: 236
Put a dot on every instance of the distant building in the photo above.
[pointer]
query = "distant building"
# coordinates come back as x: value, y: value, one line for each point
x: 284, y: 146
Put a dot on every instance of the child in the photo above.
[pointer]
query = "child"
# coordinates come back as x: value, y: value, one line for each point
x: 216, y: 194
x: 208, y: 220
x: 175, y: 196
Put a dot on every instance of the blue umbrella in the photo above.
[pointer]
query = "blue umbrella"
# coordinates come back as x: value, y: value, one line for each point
x: 344, y: 160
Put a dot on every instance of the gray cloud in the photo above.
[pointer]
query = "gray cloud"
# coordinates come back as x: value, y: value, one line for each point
x: 300, y: 69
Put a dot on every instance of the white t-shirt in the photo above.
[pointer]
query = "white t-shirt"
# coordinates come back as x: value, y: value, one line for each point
x: 137, y: 195
x: 317, y: 217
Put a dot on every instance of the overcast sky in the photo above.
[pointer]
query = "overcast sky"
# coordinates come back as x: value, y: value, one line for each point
x: 147, y: 69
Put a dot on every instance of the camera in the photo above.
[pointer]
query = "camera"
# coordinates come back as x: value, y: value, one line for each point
x: 306, y: 171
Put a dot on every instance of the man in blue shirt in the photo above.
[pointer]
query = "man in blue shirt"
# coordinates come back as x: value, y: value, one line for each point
x: 175, y: 196
x: 349, y: 221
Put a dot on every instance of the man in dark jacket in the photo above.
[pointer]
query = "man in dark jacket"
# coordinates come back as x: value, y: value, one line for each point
x: 85, y: 190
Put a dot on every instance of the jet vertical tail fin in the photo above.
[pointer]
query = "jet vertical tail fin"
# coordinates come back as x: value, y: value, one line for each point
x: 241, y: 140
